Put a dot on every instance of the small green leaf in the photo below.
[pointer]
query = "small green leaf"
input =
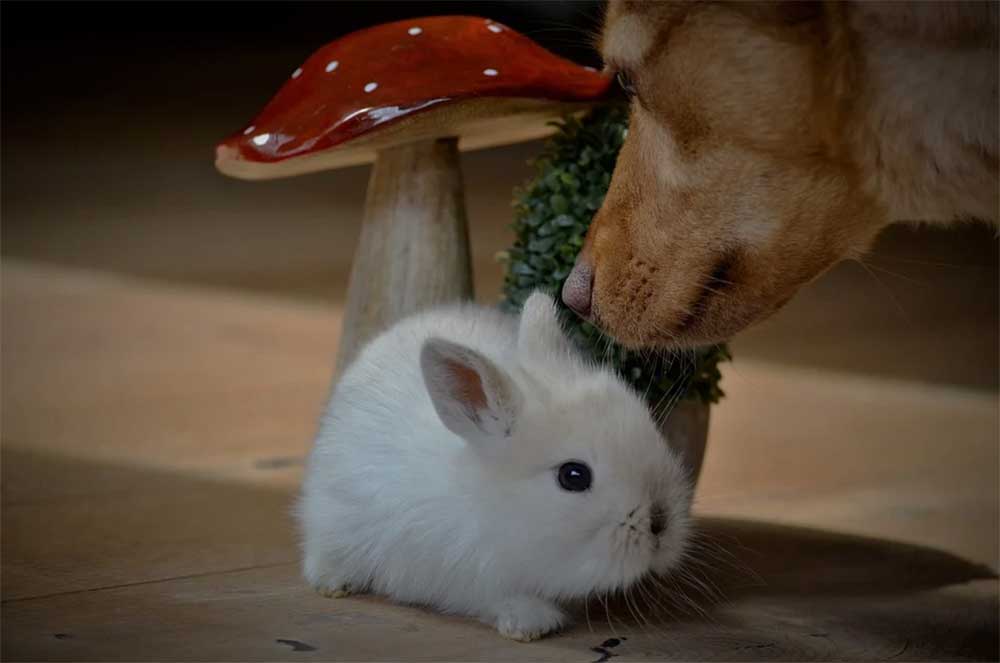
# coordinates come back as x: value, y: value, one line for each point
x: 541, y: 244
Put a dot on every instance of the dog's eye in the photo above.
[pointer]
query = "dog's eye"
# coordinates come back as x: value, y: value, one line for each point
x: 626, y: 84
x: 574, y: 476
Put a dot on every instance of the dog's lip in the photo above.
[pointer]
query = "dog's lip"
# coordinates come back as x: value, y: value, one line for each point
x: 594, y: 317
x: 687, y: 323
x: 629, y: 341
x: 692, y: 335
x: 687, y: 333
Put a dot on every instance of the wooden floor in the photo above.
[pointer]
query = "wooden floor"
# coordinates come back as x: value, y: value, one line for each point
x: 153, y: 439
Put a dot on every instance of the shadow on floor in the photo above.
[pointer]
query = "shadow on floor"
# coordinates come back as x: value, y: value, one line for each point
x: 72, y: 524
x: 733, y: 559
x: 756, y: 589
x: 767, y: 559
x: 82, y: 539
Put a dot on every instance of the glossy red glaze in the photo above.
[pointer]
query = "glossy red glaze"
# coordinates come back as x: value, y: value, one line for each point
x: 373, y: 77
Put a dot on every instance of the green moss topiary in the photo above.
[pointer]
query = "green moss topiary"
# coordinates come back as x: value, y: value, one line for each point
x: 552, y: 214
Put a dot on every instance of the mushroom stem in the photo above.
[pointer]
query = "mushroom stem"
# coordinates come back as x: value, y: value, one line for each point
x: 414, y: 246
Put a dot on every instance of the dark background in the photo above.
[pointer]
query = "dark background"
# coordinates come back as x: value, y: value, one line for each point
x: 178, y: 57
x: 110, y: 114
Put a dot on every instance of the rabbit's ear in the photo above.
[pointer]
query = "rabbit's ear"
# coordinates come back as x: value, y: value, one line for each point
x: 540, y: 333
x: 475, y: 399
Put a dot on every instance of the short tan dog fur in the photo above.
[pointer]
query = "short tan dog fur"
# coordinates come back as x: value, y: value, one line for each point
x: 768, y: 141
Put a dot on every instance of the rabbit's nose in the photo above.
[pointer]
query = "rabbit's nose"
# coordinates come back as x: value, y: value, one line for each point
x: 657, y: 519
x: 576, y: 291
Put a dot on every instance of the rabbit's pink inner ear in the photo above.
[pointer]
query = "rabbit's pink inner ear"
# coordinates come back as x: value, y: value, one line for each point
x: 466, y: 384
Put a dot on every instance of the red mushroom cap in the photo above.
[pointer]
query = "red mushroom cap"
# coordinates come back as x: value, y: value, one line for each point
x: 390, y: 73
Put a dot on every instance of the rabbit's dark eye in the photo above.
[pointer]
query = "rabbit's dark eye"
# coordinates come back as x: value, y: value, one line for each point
x: 574, y: 477
x: 626, y: 83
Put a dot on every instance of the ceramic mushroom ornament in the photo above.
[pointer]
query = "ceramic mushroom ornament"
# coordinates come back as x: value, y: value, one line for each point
x: 408, y: 95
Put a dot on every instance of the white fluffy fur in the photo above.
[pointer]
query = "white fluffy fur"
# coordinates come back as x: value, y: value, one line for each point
x: 396, y: 503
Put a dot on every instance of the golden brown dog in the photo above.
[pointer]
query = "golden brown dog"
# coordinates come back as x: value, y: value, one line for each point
x: 768, y: 141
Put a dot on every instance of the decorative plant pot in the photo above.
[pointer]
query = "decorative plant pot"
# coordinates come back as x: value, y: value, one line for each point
x: 686, y: 430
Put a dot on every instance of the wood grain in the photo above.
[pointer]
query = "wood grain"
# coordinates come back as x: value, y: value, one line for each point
x: 414, y: 247
x: 150, y: 442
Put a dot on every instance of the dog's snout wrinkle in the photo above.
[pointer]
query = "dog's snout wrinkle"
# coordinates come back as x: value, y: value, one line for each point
x: 720, y: 280
x: 723, y: 273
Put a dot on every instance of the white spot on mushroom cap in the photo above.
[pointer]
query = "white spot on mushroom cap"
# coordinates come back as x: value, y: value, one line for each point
x: 249, y: 130
x: 261, y: 139
x: 297, y: 73
x: 590, y: 69
x: 370, y: 87
x: 490, y: 72
x: 493, y: 27
x: 414, y: 31
x: 332, y: 65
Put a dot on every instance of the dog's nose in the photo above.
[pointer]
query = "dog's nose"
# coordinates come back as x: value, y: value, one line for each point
x: 657, y: 519
x: 576, y: 291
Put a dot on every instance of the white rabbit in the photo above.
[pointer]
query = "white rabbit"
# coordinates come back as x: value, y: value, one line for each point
x: 480, y: 466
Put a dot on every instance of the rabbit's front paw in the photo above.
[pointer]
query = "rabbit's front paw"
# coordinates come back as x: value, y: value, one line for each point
x: 321, y: 572
x: 334, y: 591
x: 527, y: 618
